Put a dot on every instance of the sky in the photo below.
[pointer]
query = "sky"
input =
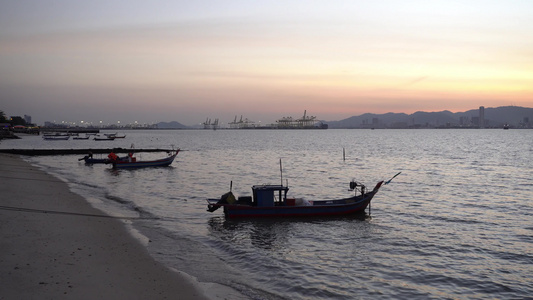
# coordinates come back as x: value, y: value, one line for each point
x: 155, y: 61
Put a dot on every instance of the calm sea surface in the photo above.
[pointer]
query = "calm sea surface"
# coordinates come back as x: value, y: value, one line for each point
x: 456, y: 224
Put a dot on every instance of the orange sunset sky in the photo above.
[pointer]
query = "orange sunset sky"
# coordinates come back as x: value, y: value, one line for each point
x: 185, y: 61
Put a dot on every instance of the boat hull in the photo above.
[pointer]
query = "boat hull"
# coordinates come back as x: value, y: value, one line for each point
x: 56, y: 138
x: 144, y: 164
x: 104, y: 139
x: 349, y: 206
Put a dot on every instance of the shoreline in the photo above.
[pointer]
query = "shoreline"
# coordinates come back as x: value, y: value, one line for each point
x: 57, y: 245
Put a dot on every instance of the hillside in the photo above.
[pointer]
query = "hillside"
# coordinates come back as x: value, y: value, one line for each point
x: 170, y: 125
x: 515, y: 116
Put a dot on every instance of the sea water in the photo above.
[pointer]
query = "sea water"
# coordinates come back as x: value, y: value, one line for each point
x: 456, y: 224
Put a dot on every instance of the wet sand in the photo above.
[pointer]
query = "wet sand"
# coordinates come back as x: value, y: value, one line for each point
x: 54, y: 246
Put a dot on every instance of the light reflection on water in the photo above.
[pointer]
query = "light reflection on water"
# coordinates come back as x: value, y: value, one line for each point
x: 455, y: 224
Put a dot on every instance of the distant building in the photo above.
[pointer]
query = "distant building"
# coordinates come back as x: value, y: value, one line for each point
x: 17, y: 120
x: 464, y: 121
x: 481, y: 117
x: 27, y: 119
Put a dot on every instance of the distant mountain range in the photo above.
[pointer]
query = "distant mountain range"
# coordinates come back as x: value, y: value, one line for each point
x: 514, y: 116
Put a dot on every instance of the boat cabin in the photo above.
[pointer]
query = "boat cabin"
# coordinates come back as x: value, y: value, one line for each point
x: 265, y: 195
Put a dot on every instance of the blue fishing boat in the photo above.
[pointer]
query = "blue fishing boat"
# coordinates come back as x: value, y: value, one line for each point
x: 272, y: 201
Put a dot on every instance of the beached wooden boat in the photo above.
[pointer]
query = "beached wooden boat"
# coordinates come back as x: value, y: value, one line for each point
x: 133, y: 163
x: 104, y: 138
x: 115, y: 135
x: 56, y: 137
x: 272, y: 201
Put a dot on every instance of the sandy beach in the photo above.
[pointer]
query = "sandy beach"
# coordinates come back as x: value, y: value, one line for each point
x: 55, y: 245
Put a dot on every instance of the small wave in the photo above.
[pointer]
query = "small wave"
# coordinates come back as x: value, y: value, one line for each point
x: 130, y: 205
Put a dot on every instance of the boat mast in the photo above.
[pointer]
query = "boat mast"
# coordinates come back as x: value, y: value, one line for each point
x: 281, y: 171
x: 281, y: 175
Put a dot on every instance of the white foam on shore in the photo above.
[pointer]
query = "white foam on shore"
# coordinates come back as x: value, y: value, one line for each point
x: 143, y: 239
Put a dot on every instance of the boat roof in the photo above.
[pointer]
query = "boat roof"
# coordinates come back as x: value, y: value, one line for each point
x: 270, y: 187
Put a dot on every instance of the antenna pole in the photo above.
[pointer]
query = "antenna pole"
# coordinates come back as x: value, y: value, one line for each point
x: 281, y: 171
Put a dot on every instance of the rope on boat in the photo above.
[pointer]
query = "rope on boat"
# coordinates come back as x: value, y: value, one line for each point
x: 31, y: 210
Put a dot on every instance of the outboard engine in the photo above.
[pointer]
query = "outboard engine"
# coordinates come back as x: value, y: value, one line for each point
x: 353, y: 185
x: 226, y: 198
